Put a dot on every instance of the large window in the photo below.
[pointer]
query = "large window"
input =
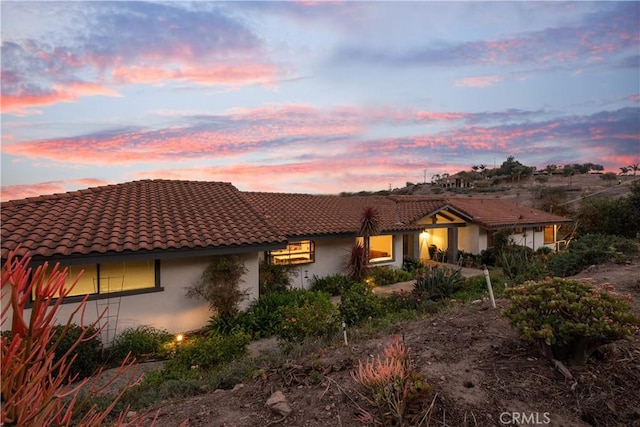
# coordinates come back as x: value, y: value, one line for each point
x: 380, y: 248
x: 113, y: 277
x: 301, y: 252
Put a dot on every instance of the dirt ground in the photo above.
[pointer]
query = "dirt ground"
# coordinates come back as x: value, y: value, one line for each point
x: 480, y: 373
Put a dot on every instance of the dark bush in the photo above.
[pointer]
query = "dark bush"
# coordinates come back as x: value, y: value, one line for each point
x: 333, y: 285
x: 519, y: 264
x: 144, y: 342
x: 438, y: 283
x: 200, y: 353
x: 275, y: 277
x: 316, y: 318
x: 88, y: 353
x: 411, y: 264
x: 359, y: 303
x: 383, y: 276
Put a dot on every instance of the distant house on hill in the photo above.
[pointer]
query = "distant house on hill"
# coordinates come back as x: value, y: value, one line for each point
x: 142, y: 243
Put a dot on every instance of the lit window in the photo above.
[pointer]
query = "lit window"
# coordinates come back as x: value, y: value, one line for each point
x: 380, y: 248
x: 302, y: 252
x: 112, y: 278
x: 549, y: 234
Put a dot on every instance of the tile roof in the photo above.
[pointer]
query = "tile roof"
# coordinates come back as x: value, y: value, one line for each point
x: 307, y: 214
x: 136, y: 216
x: 499, y: 213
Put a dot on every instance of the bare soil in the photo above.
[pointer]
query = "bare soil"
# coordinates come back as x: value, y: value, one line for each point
x: 477, y: 367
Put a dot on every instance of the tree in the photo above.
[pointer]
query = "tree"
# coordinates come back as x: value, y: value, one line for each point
x: 568, y: 171
x: 624, y: 170
x: 550, y: 169
x: 369, y: 226
x: 635, y: 167
x: 609, y: 177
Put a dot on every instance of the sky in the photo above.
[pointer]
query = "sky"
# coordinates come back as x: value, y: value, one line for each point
x: 311, y: 96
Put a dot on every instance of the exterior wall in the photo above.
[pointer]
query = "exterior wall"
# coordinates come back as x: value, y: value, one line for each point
x: 169, y: 309
x: 469, y: 238
x: 530, y: 238
x: 331, y: 258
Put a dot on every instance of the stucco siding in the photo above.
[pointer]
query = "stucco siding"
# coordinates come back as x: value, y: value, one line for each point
x: 169, y: 309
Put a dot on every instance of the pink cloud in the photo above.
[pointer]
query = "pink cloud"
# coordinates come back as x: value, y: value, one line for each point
x: 477, y: 81
x: 14, y: 192
x: 635, y: 98
x: 21, y: 103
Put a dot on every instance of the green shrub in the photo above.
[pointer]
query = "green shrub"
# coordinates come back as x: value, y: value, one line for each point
x: 359, y: 303
x: 219, y: 284
x: 383, y: 276
x: 316, y: 318
x: 591, y: 249
x: 144, y: 342
x: 489, y: 256
x: 567, y: 318
x: 438, y: 283
x: 411, y: 264
x: 397, y: 302
x: 475, y: 288
x: 333, y: 285
x: 202, y: 353
x: 275, y: 277
x: 88, y: 354
x: 519, y: 264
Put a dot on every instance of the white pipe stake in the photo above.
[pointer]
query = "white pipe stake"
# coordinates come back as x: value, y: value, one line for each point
x: 344, y: 332
x: 488, y: 279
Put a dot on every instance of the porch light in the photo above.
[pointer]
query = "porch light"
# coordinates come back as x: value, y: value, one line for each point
x: 179, y: 338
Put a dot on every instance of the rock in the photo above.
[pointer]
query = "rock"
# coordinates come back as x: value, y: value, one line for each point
x: 238, y: 387
x: 131, y: 414
x: 279, y: 404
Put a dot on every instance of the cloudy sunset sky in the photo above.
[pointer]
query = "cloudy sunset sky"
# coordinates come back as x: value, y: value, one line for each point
x: 314, y: 97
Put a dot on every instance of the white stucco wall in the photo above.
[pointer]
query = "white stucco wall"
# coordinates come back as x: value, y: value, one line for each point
x: 332, y: 256
x: 169, y: 309
x: 530, y: 238
x: 468, y: 239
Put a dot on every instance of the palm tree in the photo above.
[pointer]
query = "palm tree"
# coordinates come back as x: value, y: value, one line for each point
x: 624, y: 170
x: 369, y: 226
x: 635, y: 168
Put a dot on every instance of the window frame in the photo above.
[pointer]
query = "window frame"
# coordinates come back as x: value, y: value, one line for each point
x: 553, y: 234
x: 288, y: 253
x: 98, y: 296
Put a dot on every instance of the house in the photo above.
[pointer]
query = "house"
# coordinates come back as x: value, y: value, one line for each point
x: 142, y: 243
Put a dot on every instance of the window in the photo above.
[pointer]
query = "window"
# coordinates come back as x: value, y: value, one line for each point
x: 380, y: 248
x: 549, y: 234
x: 302, y: 252
x: 112, y: 278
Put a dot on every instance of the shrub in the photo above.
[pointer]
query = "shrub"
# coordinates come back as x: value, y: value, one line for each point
x: 333, y: 285
x: 438, y: 283
x: 202, y: 353
x: 383, y: 276
x: 591, y: 249
x: 144, y: 342
x: 396, y: 302
x: 219, y: 284
x: 275, y: 277
x: 475, y: 288
x: 489, y: 256
x: 359, y: 303
x: 411, y: 264
x: 357, y: 263
x: 88, y: 353
x: 567, y: 318
x: 519, y: 263
x: 390, y: 386
x: 317, y: 317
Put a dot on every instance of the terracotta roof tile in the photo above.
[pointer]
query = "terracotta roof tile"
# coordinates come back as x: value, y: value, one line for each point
x: 307, y: 215
x: 139, y: 215
x: 499, y: 213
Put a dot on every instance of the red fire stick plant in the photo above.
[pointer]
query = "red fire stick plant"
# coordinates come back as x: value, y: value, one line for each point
x: 36, y: 390
x: 391, y: 386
